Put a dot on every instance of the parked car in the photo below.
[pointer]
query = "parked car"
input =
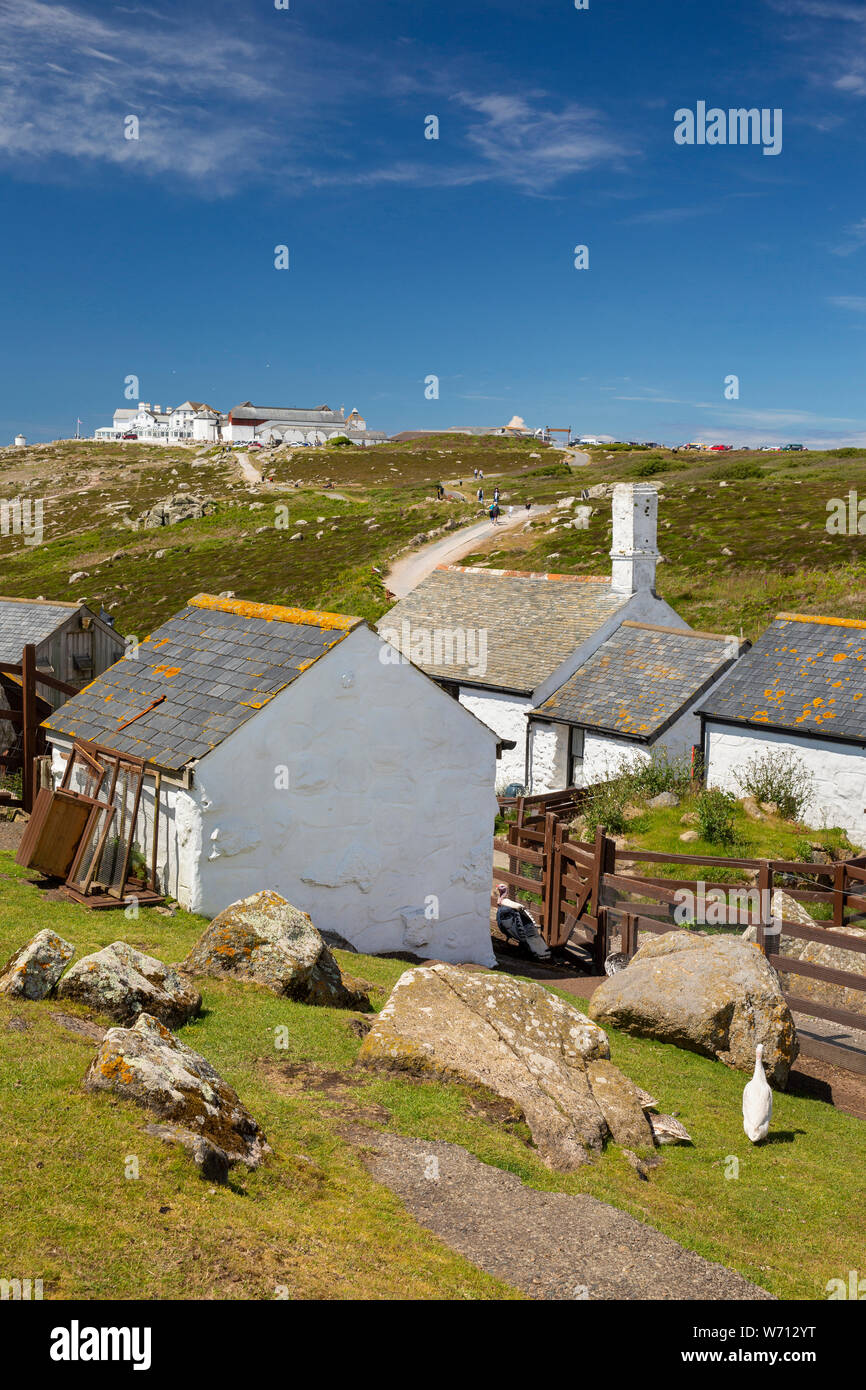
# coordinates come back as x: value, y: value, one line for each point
x: 129, y: 436
x: 795, y: 448
x: 254, y: 444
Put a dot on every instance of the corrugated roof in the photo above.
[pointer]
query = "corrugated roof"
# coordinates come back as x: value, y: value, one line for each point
x: 199, y: 677
x: 532, y: 621
x: 804, y: 674
x: 24, y: 620
x: 639, y: 680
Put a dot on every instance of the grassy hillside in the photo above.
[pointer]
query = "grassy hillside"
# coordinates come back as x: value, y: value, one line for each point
x: 743, y: 535
x: 311, y: 1221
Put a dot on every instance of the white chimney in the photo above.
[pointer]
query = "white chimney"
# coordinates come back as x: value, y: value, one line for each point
x: 634, y: 554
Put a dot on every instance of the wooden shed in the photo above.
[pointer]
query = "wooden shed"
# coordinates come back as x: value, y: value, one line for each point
x: 72, y: 643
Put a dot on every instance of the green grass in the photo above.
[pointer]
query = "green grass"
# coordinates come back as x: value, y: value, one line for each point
x: 311, y: 1219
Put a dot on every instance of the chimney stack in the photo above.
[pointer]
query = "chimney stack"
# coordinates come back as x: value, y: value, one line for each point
x: 634, y: 552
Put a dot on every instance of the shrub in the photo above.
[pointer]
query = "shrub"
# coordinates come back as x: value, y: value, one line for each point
x: 339, y: 441
x: 715, y: 811
x: 779, y: 777
x: 605, y: 808
x: 659, y: 773
x: 744, y: 468
x: 648, y: 467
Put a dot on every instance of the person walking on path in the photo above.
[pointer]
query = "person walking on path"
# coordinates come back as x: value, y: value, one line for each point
x: 481, y: 495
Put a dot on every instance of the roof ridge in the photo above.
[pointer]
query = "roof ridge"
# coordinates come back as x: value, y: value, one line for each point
x: 677, y: 631
x: 47, y: 602
x: 527, y: 574
x: 813, y: 618
x: 275, y: 612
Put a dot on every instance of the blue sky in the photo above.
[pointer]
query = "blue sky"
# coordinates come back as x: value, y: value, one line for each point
x: 410, y: 257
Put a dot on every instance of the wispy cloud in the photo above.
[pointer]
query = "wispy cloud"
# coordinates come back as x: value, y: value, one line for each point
x: 211, y: 97
x: 833, y: 34
x: 855, y: 302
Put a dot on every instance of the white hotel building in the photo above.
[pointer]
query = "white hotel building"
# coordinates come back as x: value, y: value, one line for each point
x: 196, y: 421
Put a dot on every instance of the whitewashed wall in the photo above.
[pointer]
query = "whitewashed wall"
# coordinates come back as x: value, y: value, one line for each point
x: 548, y: 757
x: 506, y: 715
x: 838, y: 771
x: 390, y: 805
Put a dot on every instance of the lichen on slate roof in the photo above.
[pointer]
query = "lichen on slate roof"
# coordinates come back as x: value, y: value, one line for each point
x: 639, y: 680
x: 532, y: 621
x: 804, y: 674
x: 214, y: 664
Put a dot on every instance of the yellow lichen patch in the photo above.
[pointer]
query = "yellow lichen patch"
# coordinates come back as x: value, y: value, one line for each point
x: 167, y: 671
x: 274, y: 612
x: 826, y: 622
x: 161, y: 643
x: 840, y: 656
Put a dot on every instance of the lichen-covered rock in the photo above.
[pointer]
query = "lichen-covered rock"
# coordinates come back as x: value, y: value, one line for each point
x: 519, y: 1041
x: 817, y: 953
x: 34, y: 970
x: 715, y: 995
x: 147, y: 1064
x: 265, y: 939
x: 123, y: 983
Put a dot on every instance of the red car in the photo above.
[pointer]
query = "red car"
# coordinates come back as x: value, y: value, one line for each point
x: 129, y: 436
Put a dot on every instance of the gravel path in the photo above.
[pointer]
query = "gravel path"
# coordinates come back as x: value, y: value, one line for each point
x: 409, y: 570
x: 547, y: 1244
x: 250, y: 474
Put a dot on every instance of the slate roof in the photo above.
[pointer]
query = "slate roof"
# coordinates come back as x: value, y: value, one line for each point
x: 533, y: 621
x: 22, y: 621
x: 804, y: 674
x: 215, y: 664
x: 640, y: 680
x: 321, y: 415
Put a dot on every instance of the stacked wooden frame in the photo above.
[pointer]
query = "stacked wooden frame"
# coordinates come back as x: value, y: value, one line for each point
x: 70, y: 831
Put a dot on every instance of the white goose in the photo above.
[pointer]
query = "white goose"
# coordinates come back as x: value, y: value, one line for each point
x: 757, y: 1102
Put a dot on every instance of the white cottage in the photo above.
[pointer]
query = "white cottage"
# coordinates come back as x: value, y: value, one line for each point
x: 503, y: 641
x: 296, y: 754
x: 635, y: 696
x: 800, y: 690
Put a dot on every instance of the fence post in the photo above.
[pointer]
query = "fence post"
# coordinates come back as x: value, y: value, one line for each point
x: 549, y: 869
x: 29, y: 724
x: 766, y: 926
x: 839, y: 896
x: 604, y: 862
x: 512, y: 840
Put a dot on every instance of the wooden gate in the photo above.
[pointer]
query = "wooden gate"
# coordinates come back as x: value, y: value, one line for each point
x: 561, y: 879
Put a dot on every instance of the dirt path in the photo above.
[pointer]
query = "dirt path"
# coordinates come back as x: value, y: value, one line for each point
x: 409, y: 570
x: 550, y: 1245
x: 249, y: 473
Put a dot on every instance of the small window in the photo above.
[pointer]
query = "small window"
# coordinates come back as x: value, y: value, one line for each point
x: 575, y: 756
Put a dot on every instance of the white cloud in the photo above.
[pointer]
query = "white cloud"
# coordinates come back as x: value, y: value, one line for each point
x: 213, y: 106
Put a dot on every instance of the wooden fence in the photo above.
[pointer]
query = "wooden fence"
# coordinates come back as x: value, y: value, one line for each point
x: 580, y: 896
